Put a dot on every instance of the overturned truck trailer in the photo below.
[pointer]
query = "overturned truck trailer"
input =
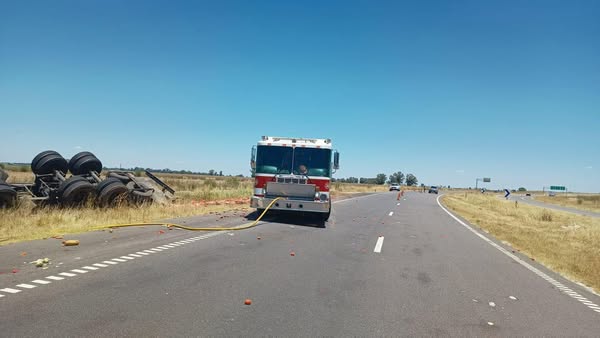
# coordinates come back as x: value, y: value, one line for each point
x: 54, y: 186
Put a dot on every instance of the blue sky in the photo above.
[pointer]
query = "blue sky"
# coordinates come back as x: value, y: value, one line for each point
x: 446, y: 90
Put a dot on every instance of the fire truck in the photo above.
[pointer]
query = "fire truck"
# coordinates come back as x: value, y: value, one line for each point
x: 297, y: 170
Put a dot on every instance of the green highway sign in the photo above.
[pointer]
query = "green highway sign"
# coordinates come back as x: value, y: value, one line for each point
x: 487, y: 179
x: 557, y: 187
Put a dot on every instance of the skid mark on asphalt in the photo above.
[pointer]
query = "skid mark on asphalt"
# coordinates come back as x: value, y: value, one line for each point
x: 101, y: 266
x: 565, y: 289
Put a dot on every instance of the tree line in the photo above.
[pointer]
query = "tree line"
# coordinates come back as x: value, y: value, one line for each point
x: 397, y: 177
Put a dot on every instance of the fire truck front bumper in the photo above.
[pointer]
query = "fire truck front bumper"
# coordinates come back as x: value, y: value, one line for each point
x: 290, y: 204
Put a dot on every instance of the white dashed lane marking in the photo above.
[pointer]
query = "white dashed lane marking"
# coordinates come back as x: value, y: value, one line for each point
x: 26, y: 286
x: 379, y: 245
x: 67, y: 274
x: 528, y: 266
x: 391, y: 213
x: 41, y: 281
x: 9, y: 290
x: 104, y: 264
x: 54, y: 278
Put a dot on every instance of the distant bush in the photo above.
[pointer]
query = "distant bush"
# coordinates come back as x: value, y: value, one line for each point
x: 546, y: 216
x: 522, y: 189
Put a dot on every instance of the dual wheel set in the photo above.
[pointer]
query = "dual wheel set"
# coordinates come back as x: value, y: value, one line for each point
x: 53, y: 187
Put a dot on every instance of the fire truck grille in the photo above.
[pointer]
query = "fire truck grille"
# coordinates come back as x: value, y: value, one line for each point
x: 296, y: 180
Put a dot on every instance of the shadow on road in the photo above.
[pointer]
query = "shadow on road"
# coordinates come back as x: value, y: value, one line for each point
x: 288, y: 217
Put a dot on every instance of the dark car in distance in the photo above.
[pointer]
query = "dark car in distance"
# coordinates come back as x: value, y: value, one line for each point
x: 433, y: 189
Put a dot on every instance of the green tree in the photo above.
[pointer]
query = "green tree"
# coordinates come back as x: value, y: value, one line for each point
x: 522, y: 189
x: 411, y: 180
x: 380, y: 179
x: 397, y: 177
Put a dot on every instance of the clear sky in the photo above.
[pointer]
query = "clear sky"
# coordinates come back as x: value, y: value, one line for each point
x: 447, y: 90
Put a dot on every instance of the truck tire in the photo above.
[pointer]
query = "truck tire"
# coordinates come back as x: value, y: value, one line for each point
x: 75, y: 191
x: 83, y: 163
x: 48, y: 161
x: 122, y: 178
x: 40, y: 155
x: 141, y: 197
x: 110, y: 190
x: 8, y: 196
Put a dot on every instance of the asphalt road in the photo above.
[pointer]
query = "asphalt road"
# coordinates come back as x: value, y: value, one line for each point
x: 531, y: 201
x: 379, y: 267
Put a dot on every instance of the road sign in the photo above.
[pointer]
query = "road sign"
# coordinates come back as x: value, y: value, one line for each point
x: 557, y: 187
x: 487, y: 179
x: 507, y: 193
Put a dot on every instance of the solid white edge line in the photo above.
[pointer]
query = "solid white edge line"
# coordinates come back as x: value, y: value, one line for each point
x: 531, y: 268
x: 379, y: 245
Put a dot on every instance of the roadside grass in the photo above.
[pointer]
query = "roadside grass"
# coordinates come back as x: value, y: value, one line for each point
x: 562, y: 241
x: 196, y: 195
x: 588, y: 202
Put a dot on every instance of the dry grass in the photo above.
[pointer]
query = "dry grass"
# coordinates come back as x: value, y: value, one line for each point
x: 28, y: 222
x: 562, y: 241
x: 196, y: 195
x: 588, y: 202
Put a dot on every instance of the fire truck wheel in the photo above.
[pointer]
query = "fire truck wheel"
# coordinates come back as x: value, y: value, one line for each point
x: 48, y: 161
x: 111, y: 191
x: 83, y: 163
x: 75, y: 191
x: 8, y: 196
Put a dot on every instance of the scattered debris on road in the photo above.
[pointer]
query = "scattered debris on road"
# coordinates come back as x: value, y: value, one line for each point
x: 70, y: 242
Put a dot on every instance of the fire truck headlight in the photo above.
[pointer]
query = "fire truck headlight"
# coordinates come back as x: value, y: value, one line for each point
x: 324, y: 197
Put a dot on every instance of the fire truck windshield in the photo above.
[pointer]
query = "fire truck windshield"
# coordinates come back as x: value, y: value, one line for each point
x: 287, y: 160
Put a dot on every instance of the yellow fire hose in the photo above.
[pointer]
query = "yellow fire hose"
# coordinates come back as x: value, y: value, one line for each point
x: 173, y: 225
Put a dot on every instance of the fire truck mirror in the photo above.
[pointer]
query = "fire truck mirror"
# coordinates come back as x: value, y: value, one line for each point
x: 253, y: 158
x: 336, y: 160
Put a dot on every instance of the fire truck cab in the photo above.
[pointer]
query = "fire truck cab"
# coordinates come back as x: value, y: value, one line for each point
x: 298, y: 170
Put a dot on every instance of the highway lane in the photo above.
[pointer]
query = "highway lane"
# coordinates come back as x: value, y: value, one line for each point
x: 432, y: 276
x: 531, y: 201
